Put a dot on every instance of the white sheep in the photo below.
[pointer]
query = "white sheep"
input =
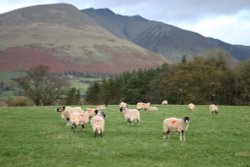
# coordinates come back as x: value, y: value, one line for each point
x: 191, y: 107
x: 141, y: 105
x: 98, y: 123
x: 131, y: 115
x: 101, y: 107
x: 165, y: 102
x: 91, y: 112
x: 213, y: 108
x: 175, y: 125
x: 152, y: 109
x: 66, y: 111
x: 78, y: 118
x: 123, y: 104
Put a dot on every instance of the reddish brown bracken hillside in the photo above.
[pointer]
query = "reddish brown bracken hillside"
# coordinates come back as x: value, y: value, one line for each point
x: 24, y: 58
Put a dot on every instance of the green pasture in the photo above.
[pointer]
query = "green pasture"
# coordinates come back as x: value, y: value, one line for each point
x: 38, y: 137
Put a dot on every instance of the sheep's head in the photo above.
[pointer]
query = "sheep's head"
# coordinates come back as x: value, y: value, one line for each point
x: 186, y: 119
x: 60, y: 109
x: 100, y: 113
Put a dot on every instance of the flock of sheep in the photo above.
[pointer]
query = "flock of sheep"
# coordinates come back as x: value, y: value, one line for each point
x: 75, y: 116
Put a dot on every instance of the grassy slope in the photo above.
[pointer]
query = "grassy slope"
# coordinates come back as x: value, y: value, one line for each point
x: 37, y: 136
x: 66, y: 32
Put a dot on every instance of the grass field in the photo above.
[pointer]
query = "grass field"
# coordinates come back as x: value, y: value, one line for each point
x: 37, y: 136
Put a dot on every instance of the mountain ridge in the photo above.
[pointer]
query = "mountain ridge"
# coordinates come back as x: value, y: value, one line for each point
x: 64, y: 33
x: 168, y: 40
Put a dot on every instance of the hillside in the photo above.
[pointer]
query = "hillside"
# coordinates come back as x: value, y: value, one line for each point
x: 64, y: 38
x: 168, y: 40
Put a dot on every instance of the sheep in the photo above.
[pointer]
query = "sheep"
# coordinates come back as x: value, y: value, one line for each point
x: 98, y: 123
x: 174, y: 125
x: 78, y: 118
x: 123, y: 104
x: 66, y: 111
x: 165, y: 102
x: 153, y: 109
x: 91, y: 112
x: 213, y: 108
x: 101, y: 107
x: 131, y: 115
x: 191, y: 107
x: 144, y: 106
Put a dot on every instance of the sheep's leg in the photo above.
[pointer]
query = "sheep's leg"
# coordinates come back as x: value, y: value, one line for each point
x: 67, y: 121
x: 83, y: 126
x: 73, y: 127
x: 165, y: 135
x: 182, y: 136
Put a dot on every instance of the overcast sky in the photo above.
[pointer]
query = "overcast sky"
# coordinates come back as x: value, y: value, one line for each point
x: 227, y: 20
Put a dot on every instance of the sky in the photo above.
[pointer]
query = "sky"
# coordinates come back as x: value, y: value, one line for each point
x: 227, y: 20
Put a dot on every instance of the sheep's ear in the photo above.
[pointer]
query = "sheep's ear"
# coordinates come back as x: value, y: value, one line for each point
x: 96, y: 112
x: 63, y: 107
x: 104, y: 115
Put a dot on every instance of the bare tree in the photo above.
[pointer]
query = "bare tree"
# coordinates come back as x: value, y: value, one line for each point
x: 41, y: 86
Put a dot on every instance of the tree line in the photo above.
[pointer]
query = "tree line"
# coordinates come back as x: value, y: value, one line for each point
x: 203, y: 80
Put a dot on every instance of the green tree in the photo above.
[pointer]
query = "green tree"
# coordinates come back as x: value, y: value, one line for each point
x: 242, y: 79
x: 73, y: 96
x: 93, y: 93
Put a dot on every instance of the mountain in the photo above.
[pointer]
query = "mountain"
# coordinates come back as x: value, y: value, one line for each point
x: 168, y: 40
x: 61, y: 36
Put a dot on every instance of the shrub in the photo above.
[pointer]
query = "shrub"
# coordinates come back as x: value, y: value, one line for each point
x: 18, y: 101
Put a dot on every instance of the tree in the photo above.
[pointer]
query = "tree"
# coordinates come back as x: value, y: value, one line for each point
x: 243, y: 83
x: 41, y: 86
x: 73, y: 96
x: 93, y: 93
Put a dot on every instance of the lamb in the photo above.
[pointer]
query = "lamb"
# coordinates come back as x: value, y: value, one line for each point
x: 165, y: 102
x: 98, y: 123
x: 131, y: 115
x: 174, y: 125
x: 123, y: 104
x: 66, y: 111
x: 78, y: 118
x: 153, y: 109
x: 144, y: 106
x: 101, y: 107
x: 213, y: 108
x: 191, y: 107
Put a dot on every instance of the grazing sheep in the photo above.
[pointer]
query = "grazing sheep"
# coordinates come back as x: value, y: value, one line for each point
x: 153, y: 109
x: 101, y: 107
x: 78, y: 118
x: 175, y: 125
x: 191, y: 107
x: 144, y: 106
x: 91, y: 112
x: 123, y: 104
x: 66, y: 111
x: 213, y: 108
x: 98, y: 123
x: 165, y: 102
x: 131, y: 115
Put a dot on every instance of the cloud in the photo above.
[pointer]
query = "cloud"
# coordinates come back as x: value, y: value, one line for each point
x: 233, y: 29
